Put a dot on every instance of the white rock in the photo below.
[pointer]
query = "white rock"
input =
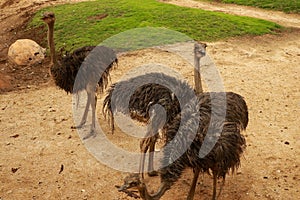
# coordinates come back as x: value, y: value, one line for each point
x: 26, y: 52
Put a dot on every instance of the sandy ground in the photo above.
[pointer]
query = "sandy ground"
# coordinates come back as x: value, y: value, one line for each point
x: 35, y: 118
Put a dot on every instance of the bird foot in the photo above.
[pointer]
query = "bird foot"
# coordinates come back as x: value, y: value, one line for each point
x: 152, y: 173
x: 91, y: 134
x: 78, y: 126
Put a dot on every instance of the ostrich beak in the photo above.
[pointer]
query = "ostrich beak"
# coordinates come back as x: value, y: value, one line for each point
x: 122, y: 188
x: 43, y: 16
x: 46, y: 15
x: 203, y: 53
x: 200, y: 49
x: 131, y: 181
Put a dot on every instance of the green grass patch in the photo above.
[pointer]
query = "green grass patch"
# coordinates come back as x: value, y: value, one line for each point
x: 90, y: 23
x: 139, y: 38
x: 288, y: 6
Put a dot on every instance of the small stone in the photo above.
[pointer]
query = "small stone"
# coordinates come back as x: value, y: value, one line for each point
x: 51, y: 110
x: 14, y: 169
x: 34, y: 138
x: 15, y: 136
x: 286, y: 142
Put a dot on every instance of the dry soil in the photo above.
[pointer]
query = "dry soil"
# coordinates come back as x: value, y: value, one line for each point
x: 36, y: 140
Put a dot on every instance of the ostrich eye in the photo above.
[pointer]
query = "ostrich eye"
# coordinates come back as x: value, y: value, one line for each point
x: 132, y: 184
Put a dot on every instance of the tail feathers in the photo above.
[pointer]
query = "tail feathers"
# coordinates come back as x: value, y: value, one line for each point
x: 107, y: 109
x: 105, y: 78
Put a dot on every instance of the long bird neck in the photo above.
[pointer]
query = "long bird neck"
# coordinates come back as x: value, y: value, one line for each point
x: 197, y: 76
x: 145, y: 194
x: 51, y: 44
x: 161, y: 191
x: 169, y: 176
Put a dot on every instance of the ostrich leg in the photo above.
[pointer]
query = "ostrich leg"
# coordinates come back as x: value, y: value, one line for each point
x: 214, y: 197
x: 221, y: 187
x: 151, y: 171
x: 193, y: 186
x: 144, y: 146
x: 157, y: 121
x: 93, y: 105
x: 92, y: 99
x: 149, y: 143
x: 86, y: 110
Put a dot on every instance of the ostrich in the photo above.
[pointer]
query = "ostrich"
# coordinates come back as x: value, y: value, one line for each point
x: 182, y: 150
x: 174, y: 95
x: 160, y: 89
x: 151, y: 94
x: 96, y: 62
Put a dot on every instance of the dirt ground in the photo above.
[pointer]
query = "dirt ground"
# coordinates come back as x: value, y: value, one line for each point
x: 35, y: 116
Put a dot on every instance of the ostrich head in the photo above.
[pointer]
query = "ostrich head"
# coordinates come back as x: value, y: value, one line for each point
x: 48, y: 17
x: 200, y: 50
x: 133, y: 181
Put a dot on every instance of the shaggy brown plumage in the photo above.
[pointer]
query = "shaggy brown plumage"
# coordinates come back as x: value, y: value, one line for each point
x: 90, y: 65
x: 223, y: 136
x: 139, y: 102
x: 149, y: 89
